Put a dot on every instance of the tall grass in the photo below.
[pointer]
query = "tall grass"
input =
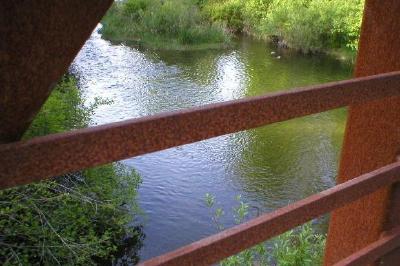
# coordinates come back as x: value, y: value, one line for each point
x: 167, y: 24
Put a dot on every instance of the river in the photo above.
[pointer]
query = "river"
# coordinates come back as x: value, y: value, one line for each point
x: 269, y: 167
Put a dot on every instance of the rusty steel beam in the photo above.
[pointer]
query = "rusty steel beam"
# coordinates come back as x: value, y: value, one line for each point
x: 372, y: 137
x: 38, y: 41
x: 374, y: 251
x: 36, y: 159
x: 231, y: 241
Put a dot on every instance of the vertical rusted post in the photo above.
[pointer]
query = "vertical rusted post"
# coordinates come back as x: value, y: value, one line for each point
x: 372, y: 136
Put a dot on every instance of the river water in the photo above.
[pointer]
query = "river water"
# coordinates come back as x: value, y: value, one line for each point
x: 269, y: 167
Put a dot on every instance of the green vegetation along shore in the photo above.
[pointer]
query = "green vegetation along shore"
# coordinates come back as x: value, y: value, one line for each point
x: 306, y: 25
x: 77, y: 219
x: 309, y: 26
x: 169, y: 25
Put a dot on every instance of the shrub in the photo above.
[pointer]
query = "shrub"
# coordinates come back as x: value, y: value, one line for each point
x: 315, y: 25
x: 228, y: 13
x: 76, y: 219
x: 300, y: 246
x: 254, y: 12
x: 306, y: 25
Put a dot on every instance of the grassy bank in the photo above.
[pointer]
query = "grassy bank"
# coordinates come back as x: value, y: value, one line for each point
x: 76, y: 219
x: 167, y: 24
x: 309, y: 26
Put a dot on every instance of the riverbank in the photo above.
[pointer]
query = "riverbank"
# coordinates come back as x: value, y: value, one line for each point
x: 306, y: 26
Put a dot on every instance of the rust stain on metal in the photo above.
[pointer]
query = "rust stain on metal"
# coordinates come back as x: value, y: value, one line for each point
x: 374, y: 251
x: 36, y: 159
x: 372, y: 136
x: 229, y: 242
x: 38, y: 41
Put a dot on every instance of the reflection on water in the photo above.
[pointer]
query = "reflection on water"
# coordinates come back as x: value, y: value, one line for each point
x: 269, y: 166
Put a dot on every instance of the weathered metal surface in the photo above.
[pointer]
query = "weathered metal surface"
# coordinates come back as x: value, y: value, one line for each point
x: 374, y: 251
x: 214, y: 248
x: 38, y: 41
x: 394, y: 209
x: 393, y: 221
x: 372, y: 136
x: 33, y: 160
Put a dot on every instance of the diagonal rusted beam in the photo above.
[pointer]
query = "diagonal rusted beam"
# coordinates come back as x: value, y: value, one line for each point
x: 38, y: 41
x: 27, y: 161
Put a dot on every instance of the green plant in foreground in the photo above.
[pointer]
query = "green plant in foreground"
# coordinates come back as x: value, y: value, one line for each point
x: 298, y: 247
x: 76, y: 219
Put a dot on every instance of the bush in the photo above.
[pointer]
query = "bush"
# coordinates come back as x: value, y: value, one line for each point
x: 315, y: 25
x: 229, y: 13
x: 76, y: 219
x: 300, y: 246
x: 306, y: 25
x: 254, y: 12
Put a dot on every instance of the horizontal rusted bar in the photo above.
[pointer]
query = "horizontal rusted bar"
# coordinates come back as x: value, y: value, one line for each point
x: 39, y: 158
x: 374, y: 251
x: 229, y: 242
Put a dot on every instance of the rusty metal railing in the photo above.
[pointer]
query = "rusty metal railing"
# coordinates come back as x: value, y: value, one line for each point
x: 24, y: 162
